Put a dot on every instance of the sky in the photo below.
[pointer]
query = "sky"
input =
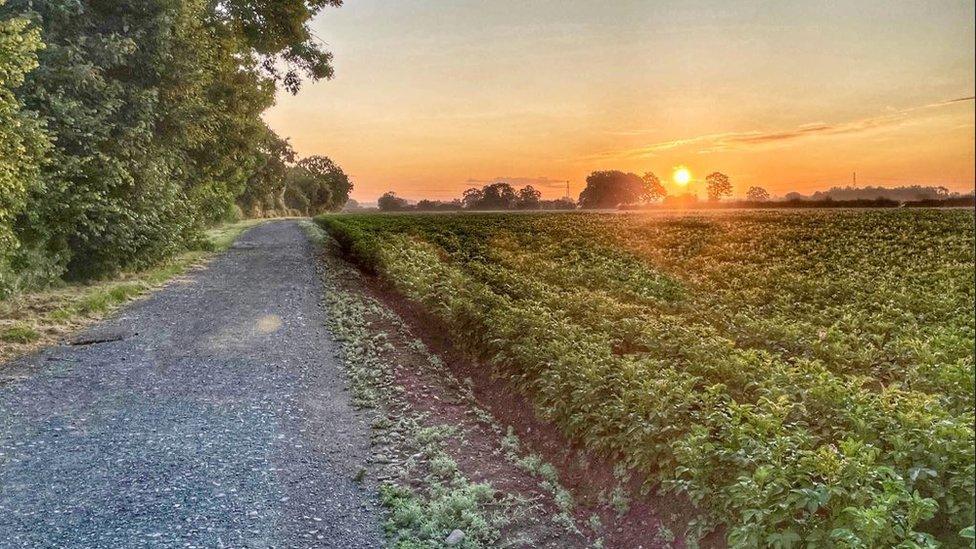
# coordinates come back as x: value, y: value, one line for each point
x: 433, y: 97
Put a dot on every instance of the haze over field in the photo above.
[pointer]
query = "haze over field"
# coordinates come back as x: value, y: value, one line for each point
x: 431, y: 98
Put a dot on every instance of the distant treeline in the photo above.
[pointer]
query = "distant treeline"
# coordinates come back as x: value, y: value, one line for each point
x: 492, y: 197
x: 952, y: 202
x: 628, y: 191
x: 908, y: 193
x: 129, y: 126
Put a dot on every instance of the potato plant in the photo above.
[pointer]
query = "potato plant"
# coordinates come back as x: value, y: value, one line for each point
x: 805, y: 378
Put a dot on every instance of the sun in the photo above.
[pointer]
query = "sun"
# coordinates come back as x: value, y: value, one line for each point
x: 681, y: 175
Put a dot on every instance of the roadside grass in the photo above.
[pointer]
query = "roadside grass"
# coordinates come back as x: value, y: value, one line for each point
x: 34, y: 319
x: 424, y: 513
x: 19, y: 333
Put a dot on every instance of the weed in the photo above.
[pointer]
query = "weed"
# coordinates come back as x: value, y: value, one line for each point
x: 19, y: 333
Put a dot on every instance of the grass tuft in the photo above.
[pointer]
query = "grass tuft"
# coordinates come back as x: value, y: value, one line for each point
x: 19, y: 333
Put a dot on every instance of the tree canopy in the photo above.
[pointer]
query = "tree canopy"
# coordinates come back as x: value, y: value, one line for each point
x: 390, y: 202
x: 496, y: 196
x: 757, y: 194
x: 609, y: 189
x: 22, y: 140
x: 152, y: 111
x: 718, y: 186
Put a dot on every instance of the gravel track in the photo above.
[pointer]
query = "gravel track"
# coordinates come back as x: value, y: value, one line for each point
x: 211, y: 414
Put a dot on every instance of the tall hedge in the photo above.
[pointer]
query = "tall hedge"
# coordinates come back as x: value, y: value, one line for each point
x: 22, y: 140
x: 152, y: 109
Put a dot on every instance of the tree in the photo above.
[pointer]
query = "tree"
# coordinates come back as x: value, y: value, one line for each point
x: 497, y: 196
x: 471, y: 198
x: 333, y: 185
x: 528, y: 198
x: 655, y: 191
x: 22, y: 140
x: 718, y: 186
x: 609, y: 189
x: 153, y: 107
x: 390, y: 202
x: 757, y: 194
x: 119, y: 106
x: 266, y: 186
x: 277, y: 33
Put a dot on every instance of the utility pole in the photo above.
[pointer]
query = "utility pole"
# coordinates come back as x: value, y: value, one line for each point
x: 567, y: 189
x: 855, y: 179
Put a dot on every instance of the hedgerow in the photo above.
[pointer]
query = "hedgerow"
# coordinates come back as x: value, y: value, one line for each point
x: 127, y: 127
x: 803, y: 378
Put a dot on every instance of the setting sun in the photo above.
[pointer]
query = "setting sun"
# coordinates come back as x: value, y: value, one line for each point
x: 681, y: 175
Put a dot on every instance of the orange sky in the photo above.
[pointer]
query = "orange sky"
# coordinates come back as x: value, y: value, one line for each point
x: 432, y: 97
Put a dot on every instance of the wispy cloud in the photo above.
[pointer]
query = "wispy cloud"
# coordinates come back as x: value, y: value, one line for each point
x: 739, y: 140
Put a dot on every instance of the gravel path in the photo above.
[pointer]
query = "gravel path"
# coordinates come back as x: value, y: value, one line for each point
x: 212, y: 416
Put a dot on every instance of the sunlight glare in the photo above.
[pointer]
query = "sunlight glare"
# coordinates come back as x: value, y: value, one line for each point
x: 681, y: 175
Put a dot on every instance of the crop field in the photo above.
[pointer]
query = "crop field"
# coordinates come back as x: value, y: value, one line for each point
x: 805, y: 378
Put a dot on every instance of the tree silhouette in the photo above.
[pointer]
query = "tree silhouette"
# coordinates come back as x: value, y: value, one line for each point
x: 609, y: 189
x: 654, y: 190
x: 332, y: 184
x: 390, y: 202
x: 498, y: 196
x: 528, y: 198
x: 718, y: 186
x: 472, y: 197
x: 757, y: 194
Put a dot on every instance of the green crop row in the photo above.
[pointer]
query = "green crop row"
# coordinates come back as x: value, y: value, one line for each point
x: 806, y: 378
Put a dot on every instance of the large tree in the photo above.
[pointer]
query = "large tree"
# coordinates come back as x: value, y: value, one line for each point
x: 472, y: 197
x: 654, y: 190
x: 718, y: 186
x: 390, y: 202
x: 110, y: 91
x: 316, y: 185
x: 528, y: 198
x: 277, y: 33
x: 609, y: 189
x: 264, y: 192
x: 498, y: 196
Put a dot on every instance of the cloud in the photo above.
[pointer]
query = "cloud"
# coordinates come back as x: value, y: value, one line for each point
x: 951, y: 101
x: 538, y: 182
x: 740, y: 140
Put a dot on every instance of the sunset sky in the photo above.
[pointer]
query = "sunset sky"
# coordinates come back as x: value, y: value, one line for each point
x: 433, y: 97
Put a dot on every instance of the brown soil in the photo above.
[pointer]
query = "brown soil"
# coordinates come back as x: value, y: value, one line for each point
x: 441, y: 399
x: 477, y: 451
x: 589, y: 478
